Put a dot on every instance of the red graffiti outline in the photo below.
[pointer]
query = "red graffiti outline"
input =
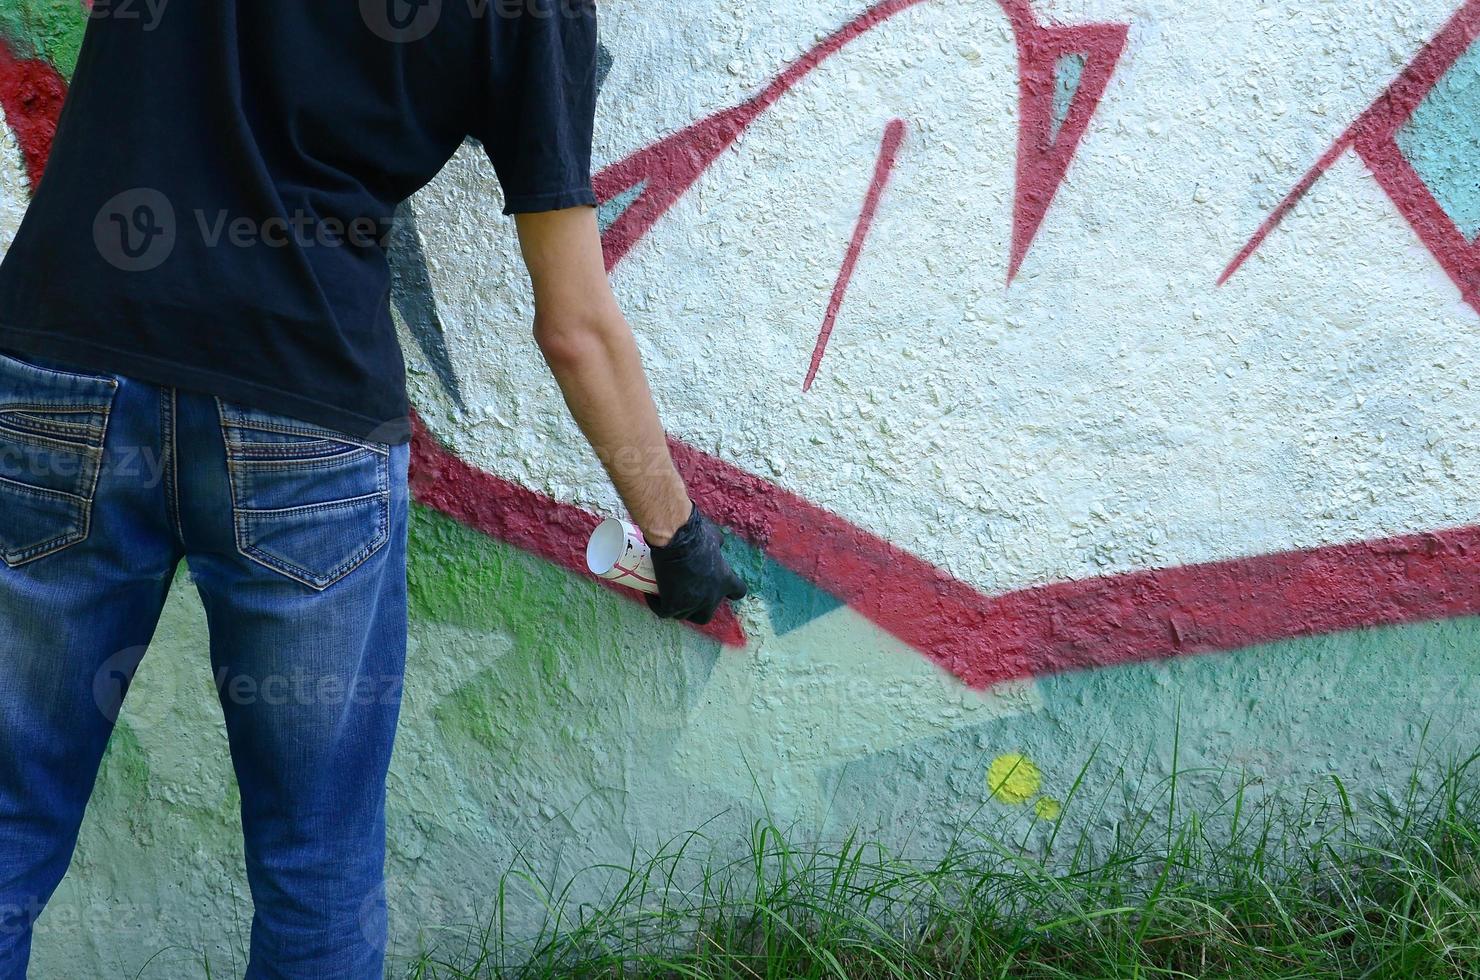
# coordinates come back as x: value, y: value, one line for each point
x: 673, y: 164
x: 669, y: 167
x: 530, y: 521
x: 894, y: 135
x: 1043, y: 158
x: 985, y: 640
x: 31, y: 96
x: 1100, y: 622
x: 1374, y: 138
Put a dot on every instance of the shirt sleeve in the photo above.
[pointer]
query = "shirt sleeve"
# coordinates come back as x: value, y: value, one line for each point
x: 539, y: 107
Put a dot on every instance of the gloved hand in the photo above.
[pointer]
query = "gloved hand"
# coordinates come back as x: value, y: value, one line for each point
x: 693, y: 577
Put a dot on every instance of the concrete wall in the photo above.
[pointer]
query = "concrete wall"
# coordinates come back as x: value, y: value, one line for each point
x: 1049, y: 428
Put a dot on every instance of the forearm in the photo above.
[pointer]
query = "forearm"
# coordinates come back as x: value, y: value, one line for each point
x: 594, y: 357
x: 599, y: 370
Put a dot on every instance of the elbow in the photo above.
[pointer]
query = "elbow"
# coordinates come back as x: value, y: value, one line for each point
x: 572, y: 342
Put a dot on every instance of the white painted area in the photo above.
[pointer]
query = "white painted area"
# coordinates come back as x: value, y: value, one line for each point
x: 1112, y: 410
x: 15, y: 186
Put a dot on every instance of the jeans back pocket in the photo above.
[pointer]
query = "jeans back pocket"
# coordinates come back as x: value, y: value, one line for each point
x: 309, y: 503
x: 52, y: 428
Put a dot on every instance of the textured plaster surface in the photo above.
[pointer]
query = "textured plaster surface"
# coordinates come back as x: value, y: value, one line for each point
x: 51, y: 29
x: 1442, y: 139
x: 13, y: 186
x: 1111, y: 410
x: 549, y: 725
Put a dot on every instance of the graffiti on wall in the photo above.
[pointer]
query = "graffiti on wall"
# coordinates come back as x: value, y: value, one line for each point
x: 986, y: 639
x: 929, y: 294
x: 983, y: 638
x: 1421, y: 140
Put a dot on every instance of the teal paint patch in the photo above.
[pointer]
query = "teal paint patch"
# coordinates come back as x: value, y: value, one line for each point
x: 791, y: 601
x: 611, y: 211
x: 1068, y: 72
x: 1442, y: 142
x: 1364, y: 705
x: 795, y: 602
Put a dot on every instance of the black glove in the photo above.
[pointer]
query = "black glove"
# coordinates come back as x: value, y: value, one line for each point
x: 693, y: 577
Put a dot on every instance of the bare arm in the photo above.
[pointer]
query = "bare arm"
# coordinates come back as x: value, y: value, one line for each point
x: 591, y: 351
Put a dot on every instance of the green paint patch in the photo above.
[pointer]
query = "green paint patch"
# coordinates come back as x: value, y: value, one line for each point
x: 124, y: 763
x: 570, y: 657
x: 49, y: 29
x: 124, y: 777
x: 461, y: 577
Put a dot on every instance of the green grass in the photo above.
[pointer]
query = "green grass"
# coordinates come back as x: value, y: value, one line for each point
x: 1248, y: 886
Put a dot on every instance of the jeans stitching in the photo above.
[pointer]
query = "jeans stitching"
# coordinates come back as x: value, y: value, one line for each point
x: 52, y: 441
x: 304, y: 462
x: 376, y: 494
x: 83, y: 503
x: 45, y: 493
x: 334, y: 575
x: 94, y: 378
x: 47, y: 548
x: 239, y: 514
x: 54, y: 426
x: 70, y: 407
x: 333, y: 578
x: 292, y: 430
x: 92, y: 455
x: 169, y: 410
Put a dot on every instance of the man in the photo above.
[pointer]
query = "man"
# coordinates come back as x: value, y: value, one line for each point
x: 201, y: 364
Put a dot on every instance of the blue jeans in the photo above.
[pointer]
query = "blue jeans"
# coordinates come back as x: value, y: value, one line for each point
x: 295, y: 538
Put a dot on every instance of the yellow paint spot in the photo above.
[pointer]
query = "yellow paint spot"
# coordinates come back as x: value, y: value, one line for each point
x: 1048, y: 808
x: 1013, y: 778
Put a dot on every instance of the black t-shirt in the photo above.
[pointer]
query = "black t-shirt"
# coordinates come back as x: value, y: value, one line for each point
x: 222, y: 186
